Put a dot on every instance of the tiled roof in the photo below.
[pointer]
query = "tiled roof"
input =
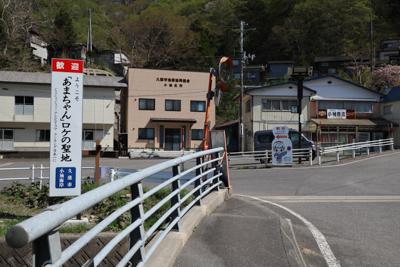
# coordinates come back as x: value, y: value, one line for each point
x: 393, y: 95
x: 45, y: 78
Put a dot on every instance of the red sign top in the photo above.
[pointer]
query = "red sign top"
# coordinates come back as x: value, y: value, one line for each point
x: 67, y: 65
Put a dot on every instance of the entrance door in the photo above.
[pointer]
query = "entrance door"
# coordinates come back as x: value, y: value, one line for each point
x: 172, y: 139
x: 6, y: 139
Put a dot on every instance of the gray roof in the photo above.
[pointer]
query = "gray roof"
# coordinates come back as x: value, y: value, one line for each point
x: 341, y: 58
x: 393, y: 95
x: 45, y: 79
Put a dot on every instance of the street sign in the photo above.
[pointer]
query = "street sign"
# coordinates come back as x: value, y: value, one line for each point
x: 66, y: 127
x: 294, y: 109
x: 282, y: 147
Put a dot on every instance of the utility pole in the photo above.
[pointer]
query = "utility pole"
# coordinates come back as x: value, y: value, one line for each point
x: 300, y: 80
x: 372, y: 48
x: 241, y: 141
x: 243, y: 59
x: 90, y: 28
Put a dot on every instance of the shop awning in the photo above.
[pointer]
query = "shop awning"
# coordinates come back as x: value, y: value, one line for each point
x: 173, y: 120
x: 361, y: 123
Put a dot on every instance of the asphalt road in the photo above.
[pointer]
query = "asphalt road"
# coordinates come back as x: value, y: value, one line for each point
x: 355, y: 205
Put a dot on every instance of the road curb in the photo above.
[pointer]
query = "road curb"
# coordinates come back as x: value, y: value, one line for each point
x: 171, y: 246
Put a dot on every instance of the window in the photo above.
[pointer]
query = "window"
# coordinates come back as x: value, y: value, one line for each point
x: 198, y: 106
x: 146, y: 104
x: 387, y: 110
x: 6, y: 134
x: 174, y: 105
x: 42, y: 135
x: 197, y: 134
x: 23, y: 105
x: 359, y: 107
x: 146, y: 133
x: 324, y: 64
x: 278, y: 105
x: 87, y: 135
x: 387, y: 45
x: 235, y: 62
x: 332, y: 71
x: 287, y: 104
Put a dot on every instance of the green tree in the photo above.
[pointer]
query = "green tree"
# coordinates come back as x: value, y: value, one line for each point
x: 162, y: 40
x: 65, y: 35
x: 228, y: 109
x: 207, y: 58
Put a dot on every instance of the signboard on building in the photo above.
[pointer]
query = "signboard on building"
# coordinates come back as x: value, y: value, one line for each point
x: 281, y: 147
x: 66, y: 127
x: 350, y: 114
x: 336, y: 113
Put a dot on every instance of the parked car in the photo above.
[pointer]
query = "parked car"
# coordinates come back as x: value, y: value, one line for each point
x: 263, y: 141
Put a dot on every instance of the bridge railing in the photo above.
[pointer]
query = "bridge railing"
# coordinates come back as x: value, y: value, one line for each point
x: 46, y: 245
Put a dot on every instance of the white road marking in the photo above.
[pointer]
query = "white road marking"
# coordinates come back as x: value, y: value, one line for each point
x: 318, y: 236
x: 5, y: 164
x: 341, y: 199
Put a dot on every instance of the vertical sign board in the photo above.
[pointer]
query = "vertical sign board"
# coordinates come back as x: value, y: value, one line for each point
x: 66, y: 127
x: 281, y: 147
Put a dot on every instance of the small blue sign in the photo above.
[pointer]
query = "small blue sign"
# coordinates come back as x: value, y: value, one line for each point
x: 66, y: 177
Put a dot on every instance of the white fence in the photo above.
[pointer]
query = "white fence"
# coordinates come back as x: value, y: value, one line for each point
x: 265, y: 155
x: 353, y: 147
x: 34, y: 176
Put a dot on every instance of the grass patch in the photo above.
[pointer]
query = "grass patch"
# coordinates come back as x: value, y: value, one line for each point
x: 267, y: 166
x: 20, y: 202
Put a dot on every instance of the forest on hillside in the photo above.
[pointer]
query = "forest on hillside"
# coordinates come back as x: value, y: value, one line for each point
x: 192, y: 34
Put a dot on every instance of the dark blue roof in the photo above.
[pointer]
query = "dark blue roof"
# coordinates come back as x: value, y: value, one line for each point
x: 279, y: 84
x: 393, y: 95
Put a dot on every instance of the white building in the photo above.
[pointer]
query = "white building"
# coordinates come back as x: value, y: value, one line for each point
x: 25, y: 111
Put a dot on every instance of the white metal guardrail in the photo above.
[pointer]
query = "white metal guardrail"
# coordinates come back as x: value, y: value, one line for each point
x: 355, y: 146
x: 46, y: 245
x: 33, y: 177
x: 265, y: 155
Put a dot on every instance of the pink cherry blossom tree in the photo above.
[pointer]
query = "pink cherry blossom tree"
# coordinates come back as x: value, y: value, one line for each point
x: 388, y: 76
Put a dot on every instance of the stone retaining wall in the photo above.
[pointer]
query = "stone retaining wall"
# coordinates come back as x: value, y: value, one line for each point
x: 10, y: 257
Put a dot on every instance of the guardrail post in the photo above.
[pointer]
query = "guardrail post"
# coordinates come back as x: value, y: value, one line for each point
x: 266, y: 158
x: 380, y: 145
x: 33, y: 174
x: 319, y: 155
x: 46, y: 249
x: 137, y: 234
x: 353, y: 152
x: 176, y: 199
x: 392, y: 146
x: 337, y: 155
x: 112, y: 173
x: 198, y: 181
x: 310, y: 156
x: 217, y: 170
x: 368, y: 149
x: 41, y: 176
